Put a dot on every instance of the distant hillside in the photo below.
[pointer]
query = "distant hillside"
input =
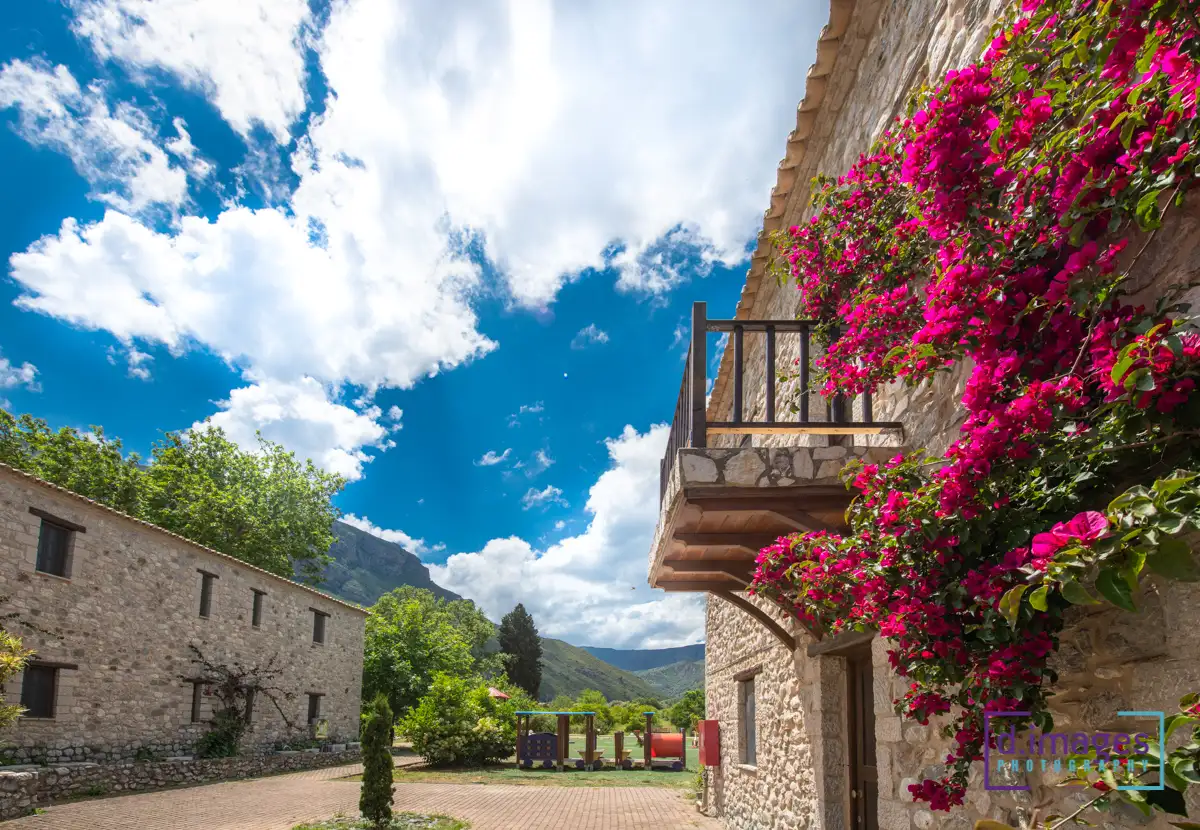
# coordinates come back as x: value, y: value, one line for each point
x: 568, y: 670
x: 673, y: 680
x: 636, y: 660
x: 366, y: 567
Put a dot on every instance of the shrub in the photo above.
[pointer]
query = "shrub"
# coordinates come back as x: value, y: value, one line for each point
x: 458, y: 724
x: 375, y: 800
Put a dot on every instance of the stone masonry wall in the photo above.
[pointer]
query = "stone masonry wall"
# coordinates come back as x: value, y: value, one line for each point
x: 1108, y: 661
x: 126, y: 617
x: 24, y: 788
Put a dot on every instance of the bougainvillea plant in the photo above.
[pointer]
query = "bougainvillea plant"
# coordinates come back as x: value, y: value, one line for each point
x: 1000, y: 225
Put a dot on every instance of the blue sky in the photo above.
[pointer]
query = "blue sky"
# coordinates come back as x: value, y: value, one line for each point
x: 447, y: 254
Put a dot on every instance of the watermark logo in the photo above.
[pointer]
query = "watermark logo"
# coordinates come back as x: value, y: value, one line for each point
x: 1060, y: 751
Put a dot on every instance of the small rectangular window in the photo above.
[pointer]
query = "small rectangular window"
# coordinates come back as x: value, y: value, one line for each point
x: 256, y: 612
x: 319, y: 626
x: 206, y: 591
x: 54, y: 545
x: 747, y: 743
x: 38, y: 689
x: 314, y: 708
x: 197, y: 700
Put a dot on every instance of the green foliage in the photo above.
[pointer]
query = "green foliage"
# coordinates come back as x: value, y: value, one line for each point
x: 520, y: 642
x: 411, y: 635
x: 590, y: 700
x: 459, y: 724
x: 400, y: 821
x: 224, y: 735
x: 375, y: 800
x: 687, y: 710
x: 265, y: 507
x: 13, y: 657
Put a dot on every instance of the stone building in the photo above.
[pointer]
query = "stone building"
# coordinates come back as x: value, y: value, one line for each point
x: 115, y: 607
x: 808, y: 734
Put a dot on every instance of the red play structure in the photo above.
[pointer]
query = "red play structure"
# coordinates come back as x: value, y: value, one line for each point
x: 664, y: 749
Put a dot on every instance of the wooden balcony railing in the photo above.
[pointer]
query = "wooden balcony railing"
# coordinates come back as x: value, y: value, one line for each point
x: 691, y: 427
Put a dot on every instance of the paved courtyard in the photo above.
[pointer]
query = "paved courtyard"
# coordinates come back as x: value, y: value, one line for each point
x: 282, y: 801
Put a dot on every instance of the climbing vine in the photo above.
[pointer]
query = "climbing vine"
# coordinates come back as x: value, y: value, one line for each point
x: 999, y: 224
x: 236, y: 688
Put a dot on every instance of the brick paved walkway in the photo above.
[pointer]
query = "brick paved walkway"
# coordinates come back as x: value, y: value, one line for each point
x: 282, y: 801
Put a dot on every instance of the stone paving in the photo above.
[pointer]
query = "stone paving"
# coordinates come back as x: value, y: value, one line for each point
x: 282, y: 801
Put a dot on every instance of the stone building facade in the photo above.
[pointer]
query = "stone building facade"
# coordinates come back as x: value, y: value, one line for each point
x: 115, y: 607
x: 871, y: 56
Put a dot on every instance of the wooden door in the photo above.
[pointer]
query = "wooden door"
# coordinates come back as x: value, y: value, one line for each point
x: 864, y: 777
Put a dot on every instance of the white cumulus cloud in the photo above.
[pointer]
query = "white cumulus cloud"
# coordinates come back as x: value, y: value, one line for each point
x: 589, y: 335
x: 116, y: 149
x: 490, y: 458
x: 413, y: 546
x: 543, y: 498
x: 579, y: 587
x: 303, y: 417
x: 246, y: 55
x: 12, y: 375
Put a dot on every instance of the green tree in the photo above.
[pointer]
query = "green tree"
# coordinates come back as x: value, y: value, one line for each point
x: 91, y: 465
x: 591, y: 700
x: 411, y: 635
x: 459, y: 723
x: 13, y: 657
x: 375, y: 799
x: 688, y: 709
x: 263, y: 507
x: 520, y: 642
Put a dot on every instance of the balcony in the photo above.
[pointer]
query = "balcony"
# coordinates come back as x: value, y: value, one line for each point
x: 733, y: 482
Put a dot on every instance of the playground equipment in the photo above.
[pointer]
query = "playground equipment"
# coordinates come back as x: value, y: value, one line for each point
x: 549, y: 749
x: 664, y: 749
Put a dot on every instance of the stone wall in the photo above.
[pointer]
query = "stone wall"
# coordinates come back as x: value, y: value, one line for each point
x: 24, y: 788
x: 120, y: 626
x: 1109, y: 660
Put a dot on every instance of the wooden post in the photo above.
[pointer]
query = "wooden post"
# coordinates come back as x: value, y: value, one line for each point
x: 589, y: 743
x: 698, y: 379
x: 619, y: 748
x: 649, y: 739
x: 683, y: 744
x: 521, y: 733
x: 564, y: 739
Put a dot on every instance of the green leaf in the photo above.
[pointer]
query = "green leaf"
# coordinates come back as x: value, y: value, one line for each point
x: 1115, y: 590
x: 1120, y: 368
x: 1174, y: 559
x: 1176, y: 480
x: 1185, y: 825
x: 1076, y: 594
x: 1173, y: 722
x: 1010, y: 604
x: 1175, y: 780
x: 1038, y: 597
x: 1147, y: 207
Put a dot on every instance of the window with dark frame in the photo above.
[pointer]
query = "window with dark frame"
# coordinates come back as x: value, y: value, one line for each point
x: 54, y: 547
x: 206, y: 591
x: 197, y: 699
x: 747, y: 739
x: 314, y: 708
x: 319, y: 626
x: 256, y: 612
x: 38, y: 690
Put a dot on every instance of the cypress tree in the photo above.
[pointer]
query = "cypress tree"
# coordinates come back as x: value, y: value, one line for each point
x: 375, y: 800
x: 519, y: 640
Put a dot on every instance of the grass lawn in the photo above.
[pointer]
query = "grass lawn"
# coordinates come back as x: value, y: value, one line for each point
x: 400, y: 821
x: 508, y: 773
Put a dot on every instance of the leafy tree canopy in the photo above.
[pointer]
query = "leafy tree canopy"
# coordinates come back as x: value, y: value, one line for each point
x: 519, y: 640
x: 412, y: 635
x: 264, y: 507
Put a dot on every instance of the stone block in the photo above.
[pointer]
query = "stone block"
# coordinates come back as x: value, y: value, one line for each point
x: 744, y: 469
x: 698, y: 469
